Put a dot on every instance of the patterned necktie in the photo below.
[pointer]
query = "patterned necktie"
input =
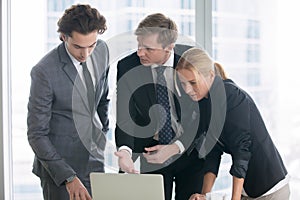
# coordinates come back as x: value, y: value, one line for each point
x: 89, y: 85
x: 166, y: 133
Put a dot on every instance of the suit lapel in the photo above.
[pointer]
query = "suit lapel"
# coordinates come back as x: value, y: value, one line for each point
x: 179, y: 49
x: 146, y: 77
x: 99, y: 59
x: 72, y: 73
x: 99, y: 74
x: 177, y: 55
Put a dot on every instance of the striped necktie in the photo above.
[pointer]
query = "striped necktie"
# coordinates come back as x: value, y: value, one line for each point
x: 166, y: 134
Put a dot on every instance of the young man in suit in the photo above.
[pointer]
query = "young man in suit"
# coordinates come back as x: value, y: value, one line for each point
x: 139, y: 129
x: 67, y: 109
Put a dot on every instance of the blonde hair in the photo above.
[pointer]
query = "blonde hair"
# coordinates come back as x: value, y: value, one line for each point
x: 198, y: 60
x: 219, y: 70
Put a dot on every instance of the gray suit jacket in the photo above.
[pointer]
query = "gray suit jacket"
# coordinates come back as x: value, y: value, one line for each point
x: 62, y: 130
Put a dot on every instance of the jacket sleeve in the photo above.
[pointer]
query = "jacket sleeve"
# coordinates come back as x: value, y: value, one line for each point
x: 237, y: 131
x: 102, y: 109
x: 213, y: 160
x: 122, y: 137
x: 235, y: 140
x: 102, y: 55
x: 38, y: 121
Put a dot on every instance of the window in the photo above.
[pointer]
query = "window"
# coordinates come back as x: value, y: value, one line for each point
x: 215, y: 27
x: 187, y: 4
x: 253, y: 77
x: 31, y: 41
x: 58, y: 6
x: 253, y: 29
x: 245, y: 42
x: 253, y: 53
x: 244, y: 39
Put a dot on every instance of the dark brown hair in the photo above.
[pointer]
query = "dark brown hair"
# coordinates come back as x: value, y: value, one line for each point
x: 83, y: 19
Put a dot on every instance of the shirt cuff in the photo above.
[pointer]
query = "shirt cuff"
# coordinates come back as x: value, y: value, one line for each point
x: 126, y: 148
x: 180, y: 146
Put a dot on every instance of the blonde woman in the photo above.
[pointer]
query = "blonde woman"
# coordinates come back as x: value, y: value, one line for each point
x: 258, y: 171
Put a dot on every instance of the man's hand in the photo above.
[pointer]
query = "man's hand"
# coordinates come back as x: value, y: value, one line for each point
x: 160, y: 153
x: 197, y: 197
x: 77, y: 191
x: 125, y: 162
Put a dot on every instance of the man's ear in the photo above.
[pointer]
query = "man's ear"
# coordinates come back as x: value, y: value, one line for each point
x: 170, y: 47
x: 63, y: 37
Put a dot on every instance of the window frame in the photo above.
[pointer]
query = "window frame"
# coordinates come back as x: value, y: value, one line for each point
x: 5, y: 103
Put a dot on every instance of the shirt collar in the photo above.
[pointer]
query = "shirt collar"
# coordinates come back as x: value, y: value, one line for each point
x: 168, y: 63
x: 74, y: 61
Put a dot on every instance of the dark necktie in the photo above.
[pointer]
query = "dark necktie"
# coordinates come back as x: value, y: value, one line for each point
x: 89, y: 85
x: 166, y: 133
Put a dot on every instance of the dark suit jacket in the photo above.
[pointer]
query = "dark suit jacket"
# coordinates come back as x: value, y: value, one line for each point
x: 60, y: 122
x: 136, y: 126
x: 245, y: 137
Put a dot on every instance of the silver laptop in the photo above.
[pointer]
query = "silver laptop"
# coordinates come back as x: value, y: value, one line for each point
x: 113, y: 186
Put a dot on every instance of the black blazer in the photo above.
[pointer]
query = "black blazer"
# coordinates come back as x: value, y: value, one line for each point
x: 135, y: 97
x: 245, y: 137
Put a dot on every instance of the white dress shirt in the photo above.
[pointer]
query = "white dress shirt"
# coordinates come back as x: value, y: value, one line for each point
x: 78, y: 67
x: 169, y: 75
